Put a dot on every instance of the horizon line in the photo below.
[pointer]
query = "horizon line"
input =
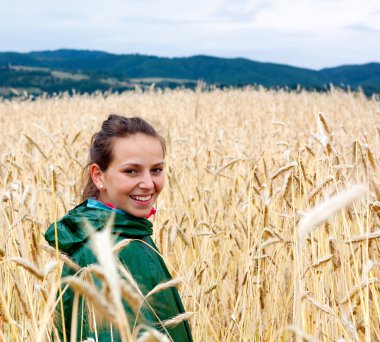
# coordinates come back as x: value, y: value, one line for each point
x: 189, y: 56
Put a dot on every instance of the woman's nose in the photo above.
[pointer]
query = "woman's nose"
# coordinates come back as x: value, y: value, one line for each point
x: 146, y: 181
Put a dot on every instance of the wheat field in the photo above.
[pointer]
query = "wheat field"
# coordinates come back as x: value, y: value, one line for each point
x: 244, y: 168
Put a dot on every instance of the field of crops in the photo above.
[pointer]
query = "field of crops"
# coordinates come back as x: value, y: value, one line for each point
x: 244, y: 168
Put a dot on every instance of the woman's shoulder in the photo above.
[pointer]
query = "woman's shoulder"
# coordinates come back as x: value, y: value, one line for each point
x: 142, y: 260
x: 68, y: 232
x: 134, y: 251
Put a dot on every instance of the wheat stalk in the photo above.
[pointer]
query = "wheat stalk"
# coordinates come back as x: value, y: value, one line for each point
x: 121, y: 245
x: 322, y: 260
x: 36, y: 145
x: 323, y: 127
x: 163, y: 286
x: 323, y: 307
x: 62, y: 256
x: 151, y: 335
x: 326, y: 209
x: 172, y: 322
x: 283, y: 169
x: 364, y: 237
x: 356, y: 289
x: 29, y: 266
x: 93, y: 296
x: 256, y: 289
x: 102, y: 245
x: 300, y: 335
x: 319, y: 187
x: 133, y: 298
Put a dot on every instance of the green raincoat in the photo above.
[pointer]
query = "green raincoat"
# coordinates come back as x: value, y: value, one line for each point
x: 143, y: 262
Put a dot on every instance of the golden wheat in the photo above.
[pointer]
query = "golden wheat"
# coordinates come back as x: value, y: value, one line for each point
x: 227, y: 221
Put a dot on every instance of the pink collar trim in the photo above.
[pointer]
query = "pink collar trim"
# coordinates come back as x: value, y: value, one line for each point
x: 152, y: 211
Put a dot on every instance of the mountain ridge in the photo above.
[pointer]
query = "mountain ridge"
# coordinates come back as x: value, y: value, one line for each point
x: 90, y: 70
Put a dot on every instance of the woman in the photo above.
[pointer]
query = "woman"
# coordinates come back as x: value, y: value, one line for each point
x: 125, y: 177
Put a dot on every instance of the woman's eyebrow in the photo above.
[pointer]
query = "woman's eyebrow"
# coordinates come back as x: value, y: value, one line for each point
x: 138, y: 165
x: 129, y: 164
x: 160, y: 163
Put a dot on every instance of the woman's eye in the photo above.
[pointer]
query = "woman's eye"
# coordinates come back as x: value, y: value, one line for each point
x: 158, y: 170
x: 130, y: 172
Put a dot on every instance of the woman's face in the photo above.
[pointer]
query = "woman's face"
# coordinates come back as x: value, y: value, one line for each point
x: 135, y: 176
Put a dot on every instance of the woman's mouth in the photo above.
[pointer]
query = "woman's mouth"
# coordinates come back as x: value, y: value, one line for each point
x: 141, y: 198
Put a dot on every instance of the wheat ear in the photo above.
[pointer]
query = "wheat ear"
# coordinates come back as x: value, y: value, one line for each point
x: 164, y: 286
x: 324, y: 127
x: 300, y: 335
x: 29, y: 266
x: 133, y: 298
x: 151, y: 335
x: 356, y: 289
x: 365, y: 237
x: 121, y: 245
x: 283, y: 169
x: 318, y: 188
x: 323, y: 307
x: 102, y: 246
x: 326, y: 209
x: 172, y: 322
x: 62, y: 256
x: 91, y: 294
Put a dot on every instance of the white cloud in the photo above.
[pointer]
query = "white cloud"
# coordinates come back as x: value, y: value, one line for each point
x: 312, y: 16
x: 287, y: 31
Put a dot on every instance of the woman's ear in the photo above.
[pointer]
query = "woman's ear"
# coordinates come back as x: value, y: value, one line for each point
x: 97, y: 176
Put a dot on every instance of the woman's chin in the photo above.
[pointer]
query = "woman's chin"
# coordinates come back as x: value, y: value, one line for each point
x: 138, y: 212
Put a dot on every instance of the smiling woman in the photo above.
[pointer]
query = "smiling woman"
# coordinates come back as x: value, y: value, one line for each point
x: 125, y: 177
x: 134, y: 178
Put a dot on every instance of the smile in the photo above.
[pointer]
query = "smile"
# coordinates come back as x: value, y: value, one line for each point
x: 141, y: 198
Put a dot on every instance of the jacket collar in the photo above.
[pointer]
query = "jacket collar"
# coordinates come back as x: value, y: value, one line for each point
x: 72, y: 232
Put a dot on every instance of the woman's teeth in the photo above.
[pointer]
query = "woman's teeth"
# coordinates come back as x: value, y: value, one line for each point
x: 141, y: 198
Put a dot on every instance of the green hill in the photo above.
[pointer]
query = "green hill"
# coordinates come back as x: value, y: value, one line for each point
x: 87, y: 71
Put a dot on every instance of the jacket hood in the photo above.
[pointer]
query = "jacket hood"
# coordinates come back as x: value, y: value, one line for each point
x: 72, y: 233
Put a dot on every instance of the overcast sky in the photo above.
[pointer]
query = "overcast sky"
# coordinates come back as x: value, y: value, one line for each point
x: 305, y: 33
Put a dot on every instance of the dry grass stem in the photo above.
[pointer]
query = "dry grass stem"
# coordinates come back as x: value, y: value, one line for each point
x: 365, y: 237
x: 94, y: 297
x: 177, y: 320
x: 269, y: 242
x: 133, y: 298
x: 211, y: 288
x: 152, y: 335
x: 323, y: 307
x: 318, y: 188
x: 322, y: 260
x: 300, y: 335
x: 63, y: 257
x: 326, y: 209
x: 121, y: 245
x: 36, y: 145
x: 163, y: 286
x: 97, y: 271
x: 356, y: 289
x: 324, y: 127
x: 284, y: 169
x: 29, y: 266
x: 102, y: 245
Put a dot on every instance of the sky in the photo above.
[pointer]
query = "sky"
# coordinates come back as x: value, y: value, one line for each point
x: 305, y: 33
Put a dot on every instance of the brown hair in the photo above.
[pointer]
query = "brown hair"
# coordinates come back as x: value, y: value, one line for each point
x: 102, y: 143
